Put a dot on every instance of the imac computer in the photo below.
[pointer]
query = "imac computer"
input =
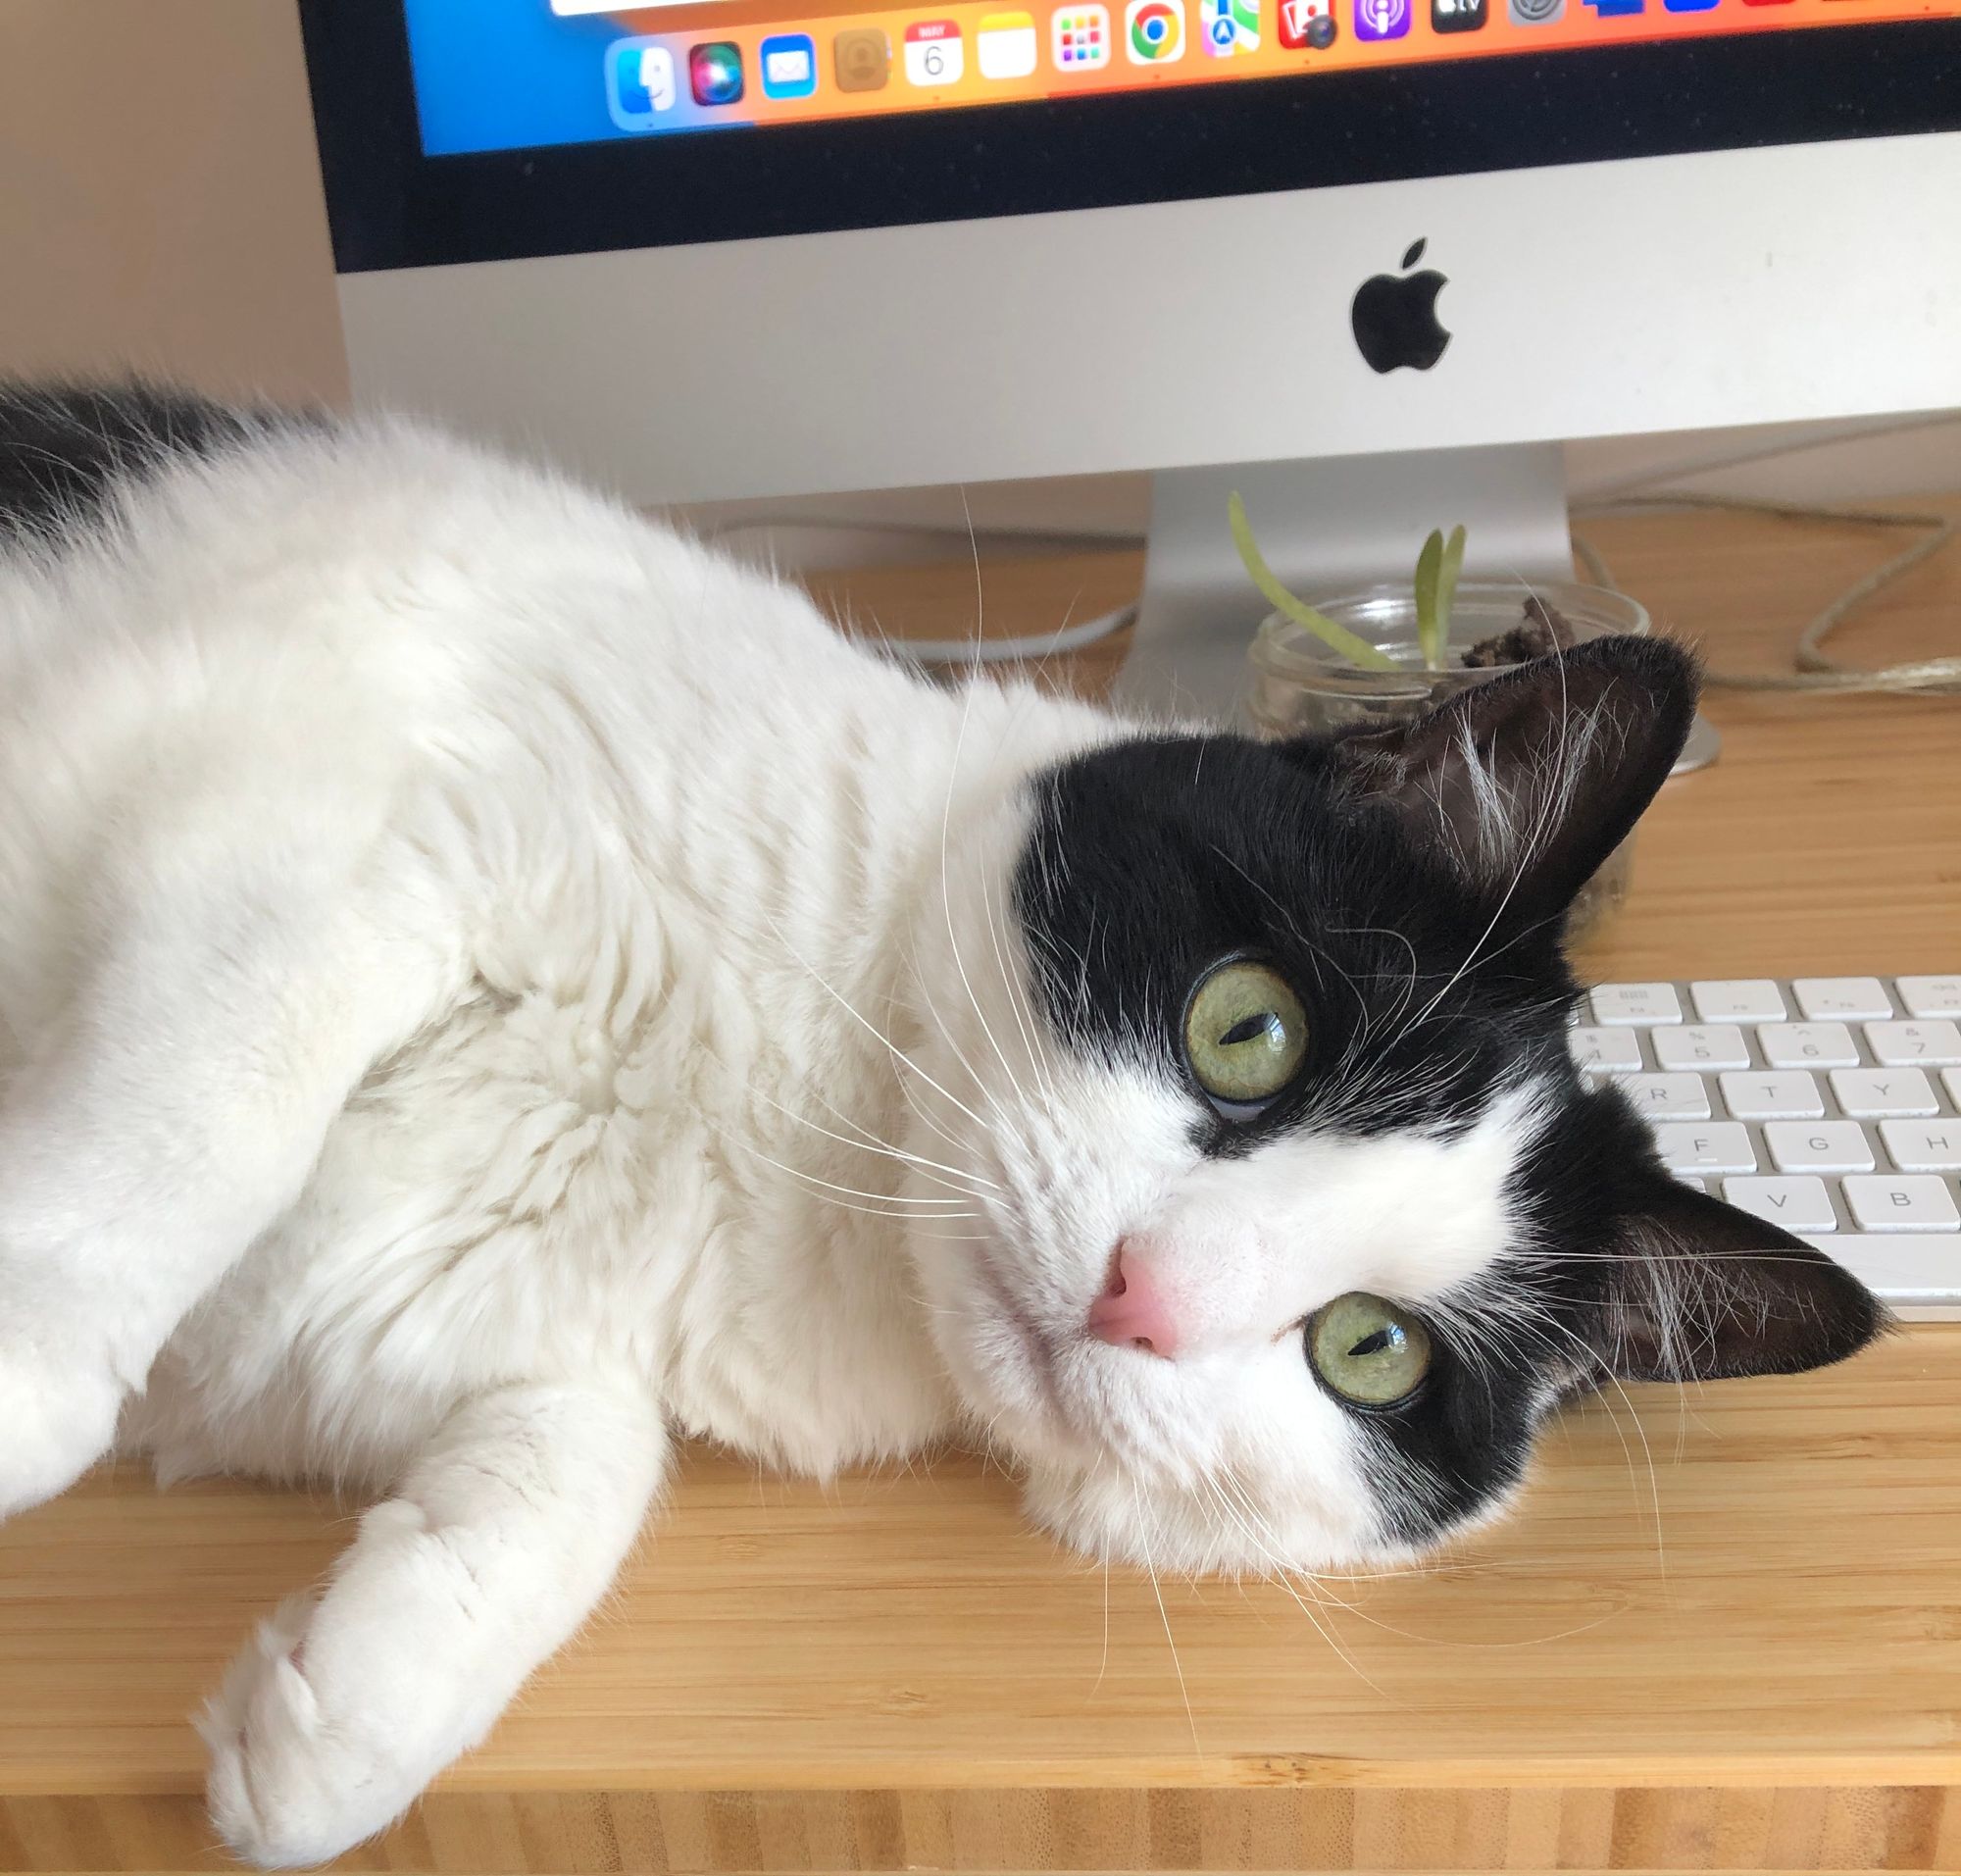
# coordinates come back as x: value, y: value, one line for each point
x: 1370, y: 262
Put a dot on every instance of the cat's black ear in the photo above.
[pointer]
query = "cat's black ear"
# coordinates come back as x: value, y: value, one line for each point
x: 1698, y: 1290
x: 1527, y: 783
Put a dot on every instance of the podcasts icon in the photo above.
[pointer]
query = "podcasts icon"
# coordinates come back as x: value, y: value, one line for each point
x: 1381, y: 19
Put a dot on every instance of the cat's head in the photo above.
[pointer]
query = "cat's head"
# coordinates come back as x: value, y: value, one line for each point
x: 1293, y: 1219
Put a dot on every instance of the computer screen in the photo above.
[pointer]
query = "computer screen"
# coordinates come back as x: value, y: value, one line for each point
x: 716, y: 249
x: 500, y: 74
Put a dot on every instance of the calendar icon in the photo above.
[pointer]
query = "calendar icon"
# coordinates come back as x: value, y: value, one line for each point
x: 1081, y: 38
x: 935, y: 54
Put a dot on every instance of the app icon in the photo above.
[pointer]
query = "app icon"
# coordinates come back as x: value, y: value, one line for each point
x: 1381, y: 19
x: 1080, y: 39
x: 1307, y: 22
x: 639, y: 82
x: 1006, y: 45
x: 1534, y: 13
x: 1618, y: 9
x: 1688, y: 6
x: 788, y: 63
x: 935, y: 53
x: 715, y: 73
x: 862, y: 58
x: 1457, y: 15
x: 1228, y: 27
x: 1154, y: 31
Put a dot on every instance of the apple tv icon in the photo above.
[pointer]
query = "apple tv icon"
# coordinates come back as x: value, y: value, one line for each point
x: 1394, y: 316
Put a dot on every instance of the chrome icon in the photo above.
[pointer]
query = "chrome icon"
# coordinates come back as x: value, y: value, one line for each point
x: 1154, y: 31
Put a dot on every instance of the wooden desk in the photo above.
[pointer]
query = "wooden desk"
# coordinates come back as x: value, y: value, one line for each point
x: 1724, y: 1632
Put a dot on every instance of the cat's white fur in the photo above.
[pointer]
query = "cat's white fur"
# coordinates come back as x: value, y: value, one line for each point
x: 490, y: 988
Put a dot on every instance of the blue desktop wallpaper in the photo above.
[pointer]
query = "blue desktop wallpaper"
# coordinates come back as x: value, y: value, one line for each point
x: 509, y: 74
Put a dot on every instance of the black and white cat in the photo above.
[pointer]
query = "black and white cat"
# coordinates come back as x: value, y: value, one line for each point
x: 488, y: 989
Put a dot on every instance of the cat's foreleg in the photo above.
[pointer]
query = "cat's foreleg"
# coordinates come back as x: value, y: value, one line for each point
x: 497, y: 1545
x: 162, y: 1121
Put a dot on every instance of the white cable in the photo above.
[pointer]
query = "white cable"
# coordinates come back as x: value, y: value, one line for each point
x: 1759, y: 452
x: 1815, y: 672
x: 988, y: 651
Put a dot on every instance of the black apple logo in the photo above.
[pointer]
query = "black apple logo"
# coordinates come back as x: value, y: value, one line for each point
x: 1394, y: 316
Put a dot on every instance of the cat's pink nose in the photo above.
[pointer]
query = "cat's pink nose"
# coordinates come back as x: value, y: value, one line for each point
x: 1132, y: 1312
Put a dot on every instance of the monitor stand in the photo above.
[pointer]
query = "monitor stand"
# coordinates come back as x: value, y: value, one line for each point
x: 1327, y: 526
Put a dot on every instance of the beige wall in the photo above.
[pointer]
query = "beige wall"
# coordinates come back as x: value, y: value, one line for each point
x: 160, y: 203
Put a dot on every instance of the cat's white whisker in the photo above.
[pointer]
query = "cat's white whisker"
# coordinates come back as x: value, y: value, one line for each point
x: 934, y: 1171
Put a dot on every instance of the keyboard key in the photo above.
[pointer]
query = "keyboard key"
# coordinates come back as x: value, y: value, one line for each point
x: 1873, y: 1093
x: 1716, y: 1147
x: 1613, y: 1051
x: 1668, y: 1097
x: 1744, y: 999
x: 1909, y: 1045
x: 1904, y: 1268
x: 1952, y: 1077
x: 1700, y: 1046
x: 1785, y: 1093
x: 1692, y: 1182
x: 1635, y: 1003
x: 1852, y: 999
x: 1819, y: 1147
x: 1795, y: 1204
x: 1924, y: 1145
x: 1931, y: 995
x: 1900, y: 1201
x: 1808, y: 1045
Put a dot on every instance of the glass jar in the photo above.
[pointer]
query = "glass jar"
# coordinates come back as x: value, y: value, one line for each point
x: 1301, y: 687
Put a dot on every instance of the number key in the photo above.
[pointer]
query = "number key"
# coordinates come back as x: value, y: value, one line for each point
x: 1700, y: 1046
x: 1904, y: 1045
x: 1610, y: 1051
x: 1808, y: 1045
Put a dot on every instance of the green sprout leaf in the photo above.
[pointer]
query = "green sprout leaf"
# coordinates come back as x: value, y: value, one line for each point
x: 1337, y: 637
x: 1429, y: 634
x: 1448, y: 568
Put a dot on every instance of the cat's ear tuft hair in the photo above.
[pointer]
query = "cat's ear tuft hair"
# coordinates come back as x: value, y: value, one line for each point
x: 1524, y: 783
x: 1703, y: 1292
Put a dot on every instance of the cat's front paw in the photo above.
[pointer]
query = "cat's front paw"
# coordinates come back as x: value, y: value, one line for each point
x: 302, y: 1770
x: 59, y: 1418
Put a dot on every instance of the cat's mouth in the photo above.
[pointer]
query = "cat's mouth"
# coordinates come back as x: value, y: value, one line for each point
x: 1037, y: 1356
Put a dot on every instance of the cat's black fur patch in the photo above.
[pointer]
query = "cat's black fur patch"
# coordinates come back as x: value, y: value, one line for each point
x: 1433, y: 981
x: 1154, y: 859
x: 64, y: 449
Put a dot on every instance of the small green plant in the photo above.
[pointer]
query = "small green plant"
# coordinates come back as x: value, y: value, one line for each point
x: 1436, y: 570
x: 1436, y: 583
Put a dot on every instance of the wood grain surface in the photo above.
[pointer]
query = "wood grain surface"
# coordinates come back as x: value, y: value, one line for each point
x: 1722, y: 1631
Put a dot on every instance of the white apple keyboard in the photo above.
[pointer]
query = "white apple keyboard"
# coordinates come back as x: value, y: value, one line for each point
x: 1828, y: 1105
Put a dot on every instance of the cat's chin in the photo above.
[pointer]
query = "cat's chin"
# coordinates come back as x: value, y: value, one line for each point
x: 1111, y: 1516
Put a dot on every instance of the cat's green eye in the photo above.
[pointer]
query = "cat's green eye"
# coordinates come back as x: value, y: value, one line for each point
x: 1368, y: 1350
x: 1246, y: 1034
